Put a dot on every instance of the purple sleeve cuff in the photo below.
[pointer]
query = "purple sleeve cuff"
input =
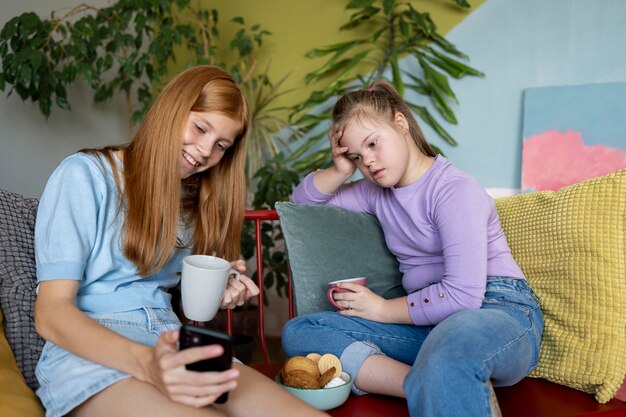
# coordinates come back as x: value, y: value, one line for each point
x: 434, y: 303
x: 426, y: 307
x: 307, y: 193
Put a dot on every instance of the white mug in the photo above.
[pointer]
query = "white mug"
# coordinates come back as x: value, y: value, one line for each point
x: 204, y: 279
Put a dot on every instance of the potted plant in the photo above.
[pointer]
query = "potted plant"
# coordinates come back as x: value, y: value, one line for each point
x: 396, y: 30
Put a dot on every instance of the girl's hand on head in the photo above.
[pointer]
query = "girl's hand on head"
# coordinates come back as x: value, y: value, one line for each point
x: 343, y: 164
x: 360, y: 302
x: 194, y: 389
x: 237, y: 292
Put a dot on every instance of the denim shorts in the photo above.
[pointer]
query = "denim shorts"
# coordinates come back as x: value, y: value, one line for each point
x: 67, y: 380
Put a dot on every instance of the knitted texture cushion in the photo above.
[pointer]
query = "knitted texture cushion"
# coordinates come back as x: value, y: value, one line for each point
x: 18, y: 280
x: 571, y: 245
x: 16, y: 399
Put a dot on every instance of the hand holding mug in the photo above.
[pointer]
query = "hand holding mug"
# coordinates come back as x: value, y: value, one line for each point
x: 238, y: 290
x: 204, y: 280
x: 334, y: 288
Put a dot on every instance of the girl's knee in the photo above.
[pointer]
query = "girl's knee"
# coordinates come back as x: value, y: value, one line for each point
x: 291, y: 333
x: 297, y: 333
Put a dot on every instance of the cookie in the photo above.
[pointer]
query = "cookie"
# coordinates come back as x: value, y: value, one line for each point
x: 315, y: 357
x: 328, y: 361
x: 326, y: 376
x: 303, y: 364
x: 298, y: 378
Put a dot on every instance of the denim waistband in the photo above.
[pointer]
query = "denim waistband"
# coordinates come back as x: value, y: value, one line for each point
x: 519, y: 284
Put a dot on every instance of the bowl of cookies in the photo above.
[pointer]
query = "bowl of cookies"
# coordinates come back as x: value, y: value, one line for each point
x: 318, y: 380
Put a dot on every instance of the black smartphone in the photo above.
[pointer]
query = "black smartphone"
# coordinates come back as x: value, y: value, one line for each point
x: 192, y: 336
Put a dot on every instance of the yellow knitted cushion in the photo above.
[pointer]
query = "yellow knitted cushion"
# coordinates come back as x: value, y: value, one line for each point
x: 16, y: 399
x: 571, y: 245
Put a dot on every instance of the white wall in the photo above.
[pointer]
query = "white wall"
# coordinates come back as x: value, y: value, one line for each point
x: 521, y: 44
x: 30, y: 146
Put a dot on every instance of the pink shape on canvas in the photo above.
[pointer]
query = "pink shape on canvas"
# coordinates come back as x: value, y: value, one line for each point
x: 552, y: 160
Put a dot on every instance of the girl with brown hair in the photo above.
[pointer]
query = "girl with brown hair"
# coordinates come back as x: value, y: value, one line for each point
x: 469, y: 321
x: 112, y: 228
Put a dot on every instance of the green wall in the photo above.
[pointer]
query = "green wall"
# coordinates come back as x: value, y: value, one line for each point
x: 300, y: 25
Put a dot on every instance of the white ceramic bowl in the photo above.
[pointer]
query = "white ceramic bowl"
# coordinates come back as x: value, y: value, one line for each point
x: 323, y: 398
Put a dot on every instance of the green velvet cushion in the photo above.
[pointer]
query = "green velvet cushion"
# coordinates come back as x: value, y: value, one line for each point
x: 327, y: 243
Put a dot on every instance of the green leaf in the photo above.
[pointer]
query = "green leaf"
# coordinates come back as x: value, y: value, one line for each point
x: 10, y: 28
x: 336, y: 47
x: 62, y: 103
x: 29, y: 24
x: 379, y: 32
x: 2, y: 83
x: 25, y: 75
x: 442, y: 106
x: 238, y: 19
x: 310, y: 143
x: 436, y: 80
x: 330, y: 67
x: 443, y: 61
x: 360, y: 17
x: 447, y: 46
x: 312, y: 119
x: 341, y: 78
x: 45, y: 106
x: 463, y: 3
x: 388, y: 6
x: 421, y: 21
x: 35, y: 58
x: 315, y: 159
x: 419, y: 88
x: 405, y: 29
x: 452, y: 70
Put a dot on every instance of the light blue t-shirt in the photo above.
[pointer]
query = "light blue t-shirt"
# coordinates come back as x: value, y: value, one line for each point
x: 78, y: 236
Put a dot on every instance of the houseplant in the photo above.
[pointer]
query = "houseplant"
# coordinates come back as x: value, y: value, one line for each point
x: 129, y: 48
x: 396, y: 30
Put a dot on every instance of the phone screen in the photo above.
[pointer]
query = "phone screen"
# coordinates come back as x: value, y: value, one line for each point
x: 191, y: 336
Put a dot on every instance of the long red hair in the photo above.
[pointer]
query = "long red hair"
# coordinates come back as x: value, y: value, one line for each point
x: 154, y: 200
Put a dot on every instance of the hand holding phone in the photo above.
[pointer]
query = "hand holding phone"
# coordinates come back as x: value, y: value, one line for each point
x: 192, y: 336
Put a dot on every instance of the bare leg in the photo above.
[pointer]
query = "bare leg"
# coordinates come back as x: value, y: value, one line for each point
x: 257, y: 395
x: 133, y: 398
x: 382, y: 375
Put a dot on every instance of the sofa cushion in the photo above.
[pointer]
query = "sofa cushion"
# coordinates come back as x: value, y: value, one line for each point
x: 571, y: 245
x: 16, y: 398
x: 18, y: 280
x: 327, y: 243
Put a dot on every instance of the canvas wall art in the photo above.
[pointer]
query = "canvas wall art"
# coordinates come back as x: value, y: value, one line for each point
x: 571, y: 133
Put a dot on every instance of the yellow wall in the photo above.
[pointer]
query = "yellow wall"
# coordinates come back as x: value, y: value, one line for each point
x: 300, y: 25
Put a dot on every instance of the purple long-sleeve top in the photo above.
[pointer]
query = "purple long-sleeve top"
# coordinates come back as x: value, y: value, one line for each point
x: 443, y: 229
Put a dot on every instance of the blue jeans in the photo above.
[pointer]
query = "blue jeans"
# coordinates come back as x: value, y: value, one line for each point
x: 451, y: 362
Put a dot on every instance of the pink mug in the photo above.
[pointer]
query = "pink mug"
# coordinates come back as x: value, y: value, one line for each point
x: 333, y: 288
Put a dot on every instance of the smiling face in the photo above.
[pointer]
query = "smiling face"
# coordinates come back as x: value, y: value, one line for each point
x: 206, y: 138
x: 383, y: 152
